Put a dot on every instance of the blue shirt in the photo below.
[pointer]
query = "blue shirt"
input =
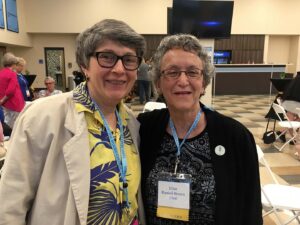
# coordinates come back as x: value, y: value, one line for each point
x: 23, y: 85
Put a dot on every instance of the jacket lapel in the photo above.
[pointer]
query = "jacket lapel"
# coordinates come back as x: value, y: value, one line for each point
x: 77, y: 157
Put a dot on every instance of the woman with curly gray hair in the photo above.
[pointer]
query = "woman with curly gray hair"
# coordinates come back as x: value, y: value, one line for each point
x: 198, y: 166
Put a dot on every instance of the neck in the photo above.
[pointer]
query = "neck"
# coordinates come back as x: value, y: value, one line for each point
x: 183, y: 121
x: 108, y: 110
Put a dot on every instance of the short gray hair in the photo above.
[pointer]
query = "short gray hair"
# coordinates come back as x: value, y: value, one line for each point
x: 188, y: 43
x: 49, y: 78
x: 9, y: 59
x: 108, y: 29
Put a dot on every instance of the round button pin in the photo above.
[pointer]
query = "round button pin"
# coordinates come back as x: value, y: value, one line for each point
x: 220, y: 150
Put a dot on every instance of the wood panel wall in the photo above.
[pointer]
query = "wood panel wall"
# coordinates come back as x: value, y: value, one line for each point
x: 245, y: 48
x: 152, y: 43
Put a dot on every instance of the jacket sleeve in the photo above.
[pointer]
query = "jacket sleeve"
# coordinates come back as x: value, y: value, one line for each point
x: 251, y: 191
x: 236, y: 172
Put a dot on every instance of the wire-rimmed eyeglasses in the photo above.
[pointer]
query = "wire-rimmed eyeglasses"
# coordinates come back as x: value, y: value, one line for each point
x: 194, y: 73
x: 109, y: 60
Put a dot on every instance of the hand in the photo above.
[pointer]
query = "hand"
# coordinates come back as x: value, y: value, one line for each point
x: 3, y: 100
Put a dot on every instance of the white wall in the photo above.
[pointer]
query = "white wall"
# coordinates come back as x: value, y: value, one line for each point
x: 293, y: 55
x: 150, y: 16
x: 266, y: 17
x: 50, y: 24
x: 73, y: 16
x: 11, y: 38
x: 33, y: 54
x: 283, y: 50
x: 278, y: 49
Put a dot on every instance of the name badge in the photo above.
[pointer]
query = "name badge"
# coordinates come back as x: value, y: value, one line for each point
x: 173, y: 196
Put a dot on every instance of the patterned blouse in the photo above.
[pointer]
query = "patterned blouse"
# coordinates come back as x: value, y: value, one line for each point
x: 106, y: 193
x: 195, y: 159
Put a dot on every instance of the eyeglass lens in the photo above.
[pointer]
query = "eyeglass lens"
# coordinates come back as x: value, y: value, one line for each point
x: 109, y: 60
x: 175, y: 74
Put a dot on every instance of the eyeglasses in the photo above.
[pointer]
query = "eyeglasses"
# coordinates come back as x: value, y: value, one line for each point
x: 175, y: 74
x: 109, y: 60
x: 49, y: 83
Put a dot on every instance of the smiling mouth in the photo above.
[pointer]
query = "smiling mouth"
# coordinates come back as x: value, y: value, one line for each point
x: 182, y: 93
x: 116, y: 82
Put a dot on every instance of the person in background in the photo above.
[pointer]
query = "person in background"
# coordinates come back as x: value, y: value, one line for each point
x: 198, y: 166
x: 291, y: 103
x: 153, y: 91
x: 50, y: 88
x: 11, y: 98
x: 73, y: 158
x: 21, y: 79
x: 144, y: 83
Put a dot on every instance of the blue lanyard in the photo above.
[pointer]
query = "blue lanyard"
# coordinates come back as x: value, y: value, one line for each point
x: 121, y: 162
x: 176, y: 139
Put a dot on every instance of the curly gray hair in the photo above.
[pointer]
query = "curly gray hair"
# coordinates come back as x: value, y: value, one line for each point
x: 108, y: 29
x: 188, y: 43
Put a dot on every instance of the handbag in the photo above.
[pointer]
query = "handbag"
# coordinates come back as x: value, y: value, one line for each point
x: 269, y: 136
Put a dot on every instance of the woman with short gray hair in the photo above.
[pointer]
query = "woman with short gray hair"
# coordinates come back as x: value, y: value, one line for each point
x: 73, y: 158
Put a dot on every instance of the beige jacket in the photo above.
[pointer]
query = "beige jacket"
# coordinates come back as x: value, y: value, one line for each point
x: 46, y: 178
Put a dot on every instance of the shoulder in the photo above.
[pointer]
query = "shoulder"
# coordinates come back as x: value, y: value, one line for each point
x: 219, y: 121
x: 57, y: 92
x: 130, y: 114
x: 50, y: 105
x: 155, y: 115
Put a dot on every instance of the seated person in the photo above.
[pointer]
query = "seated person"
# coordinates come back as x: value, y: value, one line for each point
x: 50, y: 85
x: 291, y: 103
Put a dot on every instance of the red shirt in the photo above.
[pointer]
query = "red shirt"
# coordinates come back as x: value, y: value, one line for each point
x: 9, y: 87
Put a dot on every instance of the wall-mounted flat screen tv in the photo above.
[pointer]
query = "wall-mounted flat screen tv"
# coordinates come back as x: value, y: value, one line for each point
x: 204, y: 19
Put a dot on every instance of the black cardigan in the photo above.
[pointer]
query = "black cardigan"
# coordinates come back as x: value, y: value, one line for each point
x: 236, y: 172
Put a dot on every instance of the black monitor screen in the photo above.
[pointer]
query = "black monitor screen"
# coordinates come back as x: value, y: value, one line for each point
x: 204, y: 19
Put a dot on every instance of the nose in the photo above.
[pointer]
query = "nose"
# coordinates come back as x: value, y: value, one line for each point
x: 185, y: 77
x: 119, y: 67
x: 183, y: 80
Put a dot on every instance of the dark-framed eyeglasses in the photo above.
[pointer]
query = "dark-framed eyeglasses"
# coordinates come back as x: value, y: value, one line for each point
x: 174, y: 74
x: 109, y: 60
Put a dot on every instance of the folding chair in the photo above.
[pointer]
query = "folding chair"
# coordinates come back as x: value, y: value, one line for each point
x: 286, y: 124
x: 149, y: 106
x: 276, y: 197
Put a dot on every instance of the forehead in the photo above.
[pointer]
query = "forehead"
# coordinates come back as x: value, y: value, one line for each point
x: 179, y: 57
x: 114, y: 46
